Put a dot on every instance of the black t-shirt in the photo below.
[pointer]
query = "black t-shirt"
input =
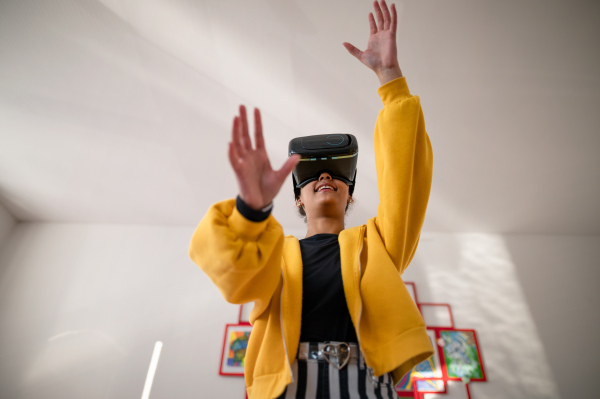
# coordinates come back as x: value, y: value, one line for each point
x: 325, y: 315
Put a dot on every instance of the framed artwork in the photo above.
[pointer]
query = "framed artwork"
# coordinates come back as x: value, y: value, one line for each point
x: 245, y: 309
x: 461, y: 355
x: 453, y: 390
x: 437, y: 315
x: 425, y: 377
x: 412, y: 290
x: 234, y: 349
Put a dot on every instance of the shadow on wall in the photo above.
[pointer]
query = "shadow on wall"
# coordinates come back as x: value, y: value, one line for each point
x: 476, y: 275
x: 559, y: 276
x: 7, y: 222
x: 82, y: 306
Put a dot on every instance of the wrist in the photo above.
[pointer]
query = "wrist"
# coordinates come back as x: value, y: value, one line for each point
x: 389, y: 74
x: 254, y: 215
x: 254, y: 204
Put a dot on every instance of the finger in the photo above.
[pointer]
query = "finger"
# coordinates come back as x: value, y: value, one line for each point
x: 233, y: 158
x: 378, y: 15
x: 258, y: 134
x: 372, y: 24
x: 236, y: 137
x: 288, y: 166
x: 387, y: 19
x: 246, y: 142
x: 394, y: 19
x: 353, y: 50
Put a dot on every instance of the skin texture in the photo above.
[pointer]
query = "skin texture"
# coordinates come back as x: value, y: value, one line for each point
x: 325, y: 209
x: 259, y: 183
x: 381, y: 53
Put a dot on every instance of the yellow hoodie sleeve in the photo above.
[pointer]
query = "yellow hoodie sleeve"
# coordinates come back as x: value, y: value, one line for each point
x: 241, y: 257
x: 404, y: 162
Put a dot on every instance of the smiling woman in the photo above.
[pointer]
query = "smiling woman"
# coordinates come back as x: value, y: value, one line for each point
x: 324, y: 202
x: 327, y: 162
x: 332, y: 317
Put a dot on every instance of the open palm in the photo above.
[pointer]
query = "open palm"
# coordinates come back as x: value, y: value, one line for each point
x: 381, y: 54
x: 257, y: 181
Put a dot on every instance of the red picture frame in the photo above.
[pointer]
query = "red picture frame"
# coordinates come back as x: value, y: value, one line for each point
x: 474, y: 362
x: 244, y: 316
x: 465, y: 346
x: 233, y: 353
x: 412, y: 290
x: 425, y: 305
x: 429, y: 371
x: 421, y: 395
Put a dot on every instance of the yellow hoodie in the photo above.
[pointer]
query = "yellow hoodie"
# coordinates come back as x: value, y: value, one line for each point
x: 252, y: 261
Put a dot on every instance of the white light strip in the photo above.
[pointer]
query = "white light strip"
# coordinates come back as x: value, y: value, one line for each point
x: 152, y: 370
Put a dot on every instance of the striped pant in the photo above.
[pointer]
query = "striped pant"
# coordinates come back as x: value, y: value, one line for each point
x: 314, y: 377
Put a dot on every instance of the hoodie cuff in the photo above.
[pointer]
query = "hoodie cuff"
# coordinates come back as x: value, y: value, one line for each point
x: 394, y: 91
x: 252, y: 214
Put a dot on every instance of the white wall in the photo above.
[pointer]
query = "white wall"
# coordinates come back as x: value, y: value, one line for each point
x: 533, y: 301
x: 476, y: 275
x: 7, y: 222
x: 560, y: 276
x: 82, y: 306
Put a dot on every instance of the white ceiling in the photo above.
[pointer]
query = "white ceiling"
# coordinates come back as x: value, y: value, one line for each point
x: 119, y: 111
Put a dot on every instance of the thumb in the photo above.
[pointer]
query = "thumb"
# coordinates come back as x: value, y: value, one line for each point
x: 353, y: 50
x: 288, y: 166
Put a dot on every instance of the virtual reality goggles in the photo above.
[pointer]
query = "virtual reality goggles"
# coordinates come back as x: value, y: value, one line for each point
x: 336, y: 154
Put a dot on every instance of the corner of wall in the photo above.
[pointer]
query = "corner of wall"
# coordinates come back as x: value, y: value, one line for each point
x: 7, y: 222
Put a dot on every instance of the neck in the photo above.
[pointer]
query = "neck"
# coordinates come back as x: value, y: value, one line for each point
x: 324, y: 225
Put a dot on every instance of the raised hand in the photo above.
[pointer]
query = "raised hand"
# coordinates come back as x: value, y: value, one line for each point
x: 258, y: 183
x: 381, y: 54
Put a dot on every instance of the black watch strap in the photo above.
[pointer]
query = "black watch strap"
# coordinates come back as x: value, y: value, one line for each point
x: 252, y: 214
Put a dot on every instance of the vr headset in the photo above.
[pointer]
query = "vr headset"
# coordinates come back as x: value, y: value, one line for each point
x: 335, y: 154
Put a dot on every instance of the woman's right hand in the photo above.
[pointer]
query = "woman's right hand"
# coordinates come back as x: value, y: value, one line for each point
x: 258, y: 183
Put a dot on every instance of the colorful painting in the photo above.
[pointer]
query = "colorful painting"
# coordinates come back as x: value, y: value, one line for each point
x: 238, y: 342
x: 461, y: 354
x: 429, y: 368
x: 234, y: 349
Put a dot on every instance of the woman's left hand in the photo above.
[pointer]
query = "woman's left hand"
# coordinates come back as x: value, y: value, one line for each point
x: 381, y: 54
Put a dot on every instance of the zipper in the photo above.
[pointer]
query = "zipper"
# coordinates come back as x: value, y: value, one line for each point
x: 287, y: 358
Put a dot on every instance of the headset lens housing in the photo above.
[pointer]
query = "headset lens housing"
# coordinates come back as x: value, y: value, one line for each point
x: 336, y: 154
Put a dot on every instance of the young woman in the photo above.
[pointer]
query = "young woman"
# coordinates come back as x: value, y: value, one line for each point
x: 332, y: 317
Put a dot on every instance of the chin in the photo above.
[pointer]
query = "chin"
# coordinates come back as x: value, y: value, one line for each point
x: 330, y: 203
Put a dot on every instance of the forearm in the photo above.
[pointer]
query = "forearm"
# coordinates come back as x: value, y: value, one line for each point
x: 241, y: 257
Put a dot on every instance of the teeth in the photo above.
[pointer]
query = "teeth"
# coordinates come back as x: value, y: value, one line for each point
x: 324, y: 187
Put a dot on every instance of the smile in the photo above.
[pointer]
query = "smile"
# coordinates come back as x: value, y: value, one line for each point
x: 325, y: 187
